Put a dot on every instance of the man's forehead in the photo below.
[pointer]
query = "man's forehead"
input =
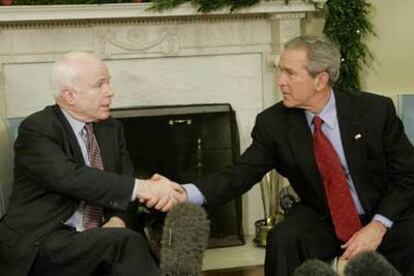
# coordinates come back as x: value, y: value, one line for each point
x: 95, y: 68
x: 93, y: 76
x: 292, y: 57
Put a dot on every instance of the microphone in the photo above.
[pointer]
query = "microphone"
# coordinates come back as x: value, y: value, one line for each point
x: 184, y: 239
x: 314, y: 267
x: 370, y: 263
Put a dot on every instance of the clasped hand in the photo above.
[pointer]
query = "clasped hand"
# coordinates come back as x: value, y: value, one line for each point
x: 160, y: 193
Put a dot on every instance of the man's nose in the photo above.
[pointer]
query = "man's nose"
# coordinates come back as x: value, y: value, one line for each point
x: 110, y: 91
x: 281, y: 79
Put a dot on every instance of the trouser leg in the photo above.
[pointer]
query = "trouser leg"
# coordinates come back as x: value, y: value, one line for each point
x: 398, y: 246
x: 303, y: 235
x: 99, y: 251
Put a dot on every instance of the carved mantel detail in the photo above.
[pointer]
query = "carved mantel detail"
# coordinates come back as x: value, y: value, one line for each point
x: 138, y: 39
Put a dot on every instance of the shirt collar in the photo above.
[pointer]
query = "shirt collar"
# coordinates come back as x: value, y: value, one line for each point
x: 328, y: 113
x: 76, y: 124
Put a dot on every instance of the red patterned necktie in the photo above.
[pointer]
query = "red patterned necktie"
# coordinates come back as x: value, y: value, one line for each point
x: 341, y: 206
x: 92, y: 216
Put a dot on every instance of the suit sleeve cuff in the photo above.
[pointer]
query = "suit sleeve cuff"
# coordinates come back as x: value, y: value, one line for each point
x: 385, y: 221
x: 135, y: 190
x: 193, y: 194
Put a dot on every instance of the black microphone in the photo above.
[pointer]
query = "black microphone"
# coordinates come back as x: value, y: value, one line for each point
x: 314, y: 267
x: 184, y: 240
x: 370, y: 263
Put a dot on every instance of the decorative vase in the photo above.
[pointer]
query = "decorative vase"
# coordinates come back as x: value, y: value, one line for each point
x: 270, y: 187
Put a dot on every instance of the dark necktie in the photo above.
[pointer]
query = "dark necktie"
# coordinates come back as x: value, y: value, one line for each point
x: 92, y: 216
x: 341, y: 206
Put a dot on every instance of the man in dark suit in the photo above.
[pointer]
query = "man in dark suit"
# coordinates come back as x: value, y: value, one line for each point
x: 363, y: 139
x: 73, y: 183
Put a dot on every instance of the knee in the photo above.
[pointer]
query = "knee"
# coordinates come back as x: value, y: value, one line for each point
x: 125, y: 236
x: 283, y: 236
x: 128, y: 234
x: 129, y: 253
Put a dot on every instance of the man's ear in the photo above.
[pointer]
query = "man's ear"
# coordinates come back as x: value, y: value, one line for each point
x: 68, y: 96
x: 322, y: 80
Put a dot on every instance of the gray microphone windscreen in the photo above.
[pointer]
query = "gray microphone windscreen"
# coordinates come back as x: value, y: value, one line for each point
x: 184, y: 240
x: 370, y: 263
x: 314, y: 267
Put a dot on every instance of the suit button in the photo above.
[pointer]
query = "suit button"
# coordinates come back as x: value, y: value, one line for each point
x: 37, y: 243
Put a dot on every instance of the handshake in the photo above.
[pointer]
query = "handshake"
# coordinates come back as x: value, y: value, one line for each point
x: 160, y: 193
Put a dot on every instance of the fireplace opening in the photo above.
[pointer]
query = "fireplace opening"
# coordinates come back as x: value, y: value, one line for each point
x: 184, y: 143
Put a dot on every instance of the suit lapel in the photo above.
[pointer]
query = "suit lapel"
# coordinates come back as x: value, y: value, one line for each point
x: 71, y: 138
x: 300, y: 139
x: 102, y: 134
x: 352, y: 127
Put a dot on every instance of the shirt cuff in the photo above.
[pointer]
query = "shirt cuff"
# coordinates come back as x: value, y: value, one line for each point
x: 193, y: 194
x: 385, y: 221
x: 135, y: 191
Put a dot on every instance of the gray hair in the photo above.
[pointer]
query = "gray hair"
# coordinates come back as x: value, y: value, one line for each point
x: 322, y: 55
x: 67, y: 71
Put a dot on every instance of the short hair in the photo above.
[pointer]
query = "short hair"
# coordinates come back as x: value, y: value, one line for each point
x: 322, y: 55
x: 67, y: 71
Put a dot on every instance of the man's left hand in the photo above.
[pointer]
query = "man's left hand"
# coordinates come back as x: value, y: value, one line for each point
x: 366, y: 239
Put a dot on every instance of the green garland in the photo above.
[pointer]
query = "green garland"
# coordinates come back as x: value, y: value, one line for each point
x: 347, y: 25
x: 204, y: 6
x: 66, y: 2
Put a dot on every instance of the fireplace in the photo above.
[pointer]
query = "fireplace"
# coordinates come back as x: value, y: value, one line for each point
x: 184, y: 143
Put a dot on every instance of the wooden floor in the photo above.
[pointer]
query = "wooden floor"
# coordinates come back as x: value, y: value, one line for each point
x: 246, y: 271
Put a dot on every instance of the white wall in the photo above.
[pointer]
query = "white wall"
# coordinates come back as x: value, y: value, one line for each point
x: 393, y: 48
x: 392, y: 70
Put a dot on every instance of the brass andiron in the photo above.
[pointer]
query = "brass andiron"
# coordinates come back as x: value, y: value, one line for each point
x: 270, y: 186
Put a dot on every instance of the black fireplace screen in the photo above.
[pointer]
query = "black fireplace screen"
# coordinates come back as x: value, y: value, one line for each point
x: 184, y: 143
